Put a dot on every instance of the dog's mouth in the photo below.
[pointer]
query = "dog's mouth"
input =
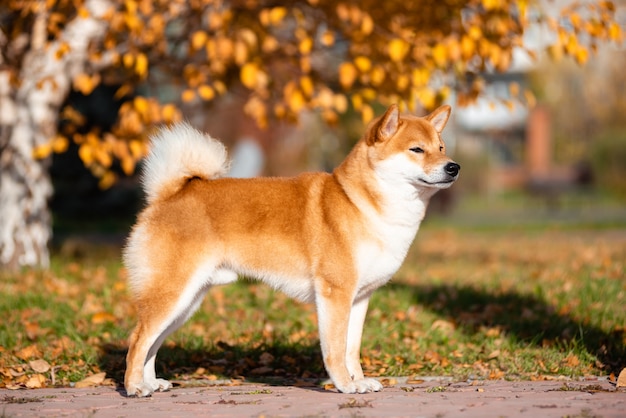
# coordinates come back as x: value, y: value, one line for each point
x: 434, y: 183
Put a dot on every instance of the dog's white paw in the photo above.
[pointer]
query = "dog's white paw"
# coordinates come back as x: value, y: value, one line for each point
x: 160, y: 385
x: 140, y: 390
x: 148, y: 388
x: 361, y: 386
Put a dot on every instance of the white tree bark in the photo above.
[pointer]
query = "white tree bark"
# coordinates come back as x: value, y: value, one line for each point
x: 28, y: 118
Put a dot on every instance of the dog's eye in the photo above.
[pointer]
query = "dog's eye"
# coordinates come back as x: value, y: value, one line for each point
x: 417, y: 150
x: 440, y: 149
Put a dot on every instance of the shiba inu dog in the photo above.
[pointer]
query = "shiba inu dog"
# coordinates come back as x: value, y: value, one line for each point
x: 328, y: 238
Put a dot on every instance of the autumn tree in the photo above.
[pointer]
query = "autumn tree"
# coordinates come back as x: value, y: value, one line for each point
x: 288, y: 57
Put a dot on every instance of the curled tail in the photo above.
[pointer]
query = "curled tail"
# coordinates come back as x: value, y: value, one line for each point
x: 178, y: 153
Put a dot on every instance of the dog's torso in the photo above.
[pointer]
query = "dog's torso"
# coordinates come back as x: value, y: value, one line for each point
x: 289, y: 231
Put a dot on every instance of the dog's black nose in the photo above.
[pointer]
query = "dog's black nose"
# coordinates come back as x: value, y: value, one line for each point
x: 452, y: 169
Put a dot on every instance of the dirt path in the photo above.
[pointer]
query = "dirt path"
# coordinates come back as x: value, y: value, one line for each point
x: 582, y: 399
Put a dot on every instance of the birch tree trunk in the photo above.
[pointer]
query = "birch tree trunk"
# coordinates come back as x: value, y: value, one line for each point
x: 29, y: 113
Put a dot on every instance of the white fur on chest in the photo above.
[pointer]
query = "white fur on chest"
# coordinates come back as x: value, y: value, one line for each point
x: 378, y: 258
x: 391, y: 234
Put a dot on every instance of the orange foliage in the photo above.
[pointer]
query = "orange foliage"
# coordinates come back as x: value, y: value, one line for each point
x: 313, y: 54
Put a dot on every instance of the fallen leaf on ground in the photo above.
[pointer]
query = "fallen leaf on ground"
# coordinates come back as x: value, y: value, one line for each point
x: 102, y: 317
x: 28, y: 352
x: 90, y: 381
x: 36, y: 381
x: 621, y: 379
x: 39, y: 366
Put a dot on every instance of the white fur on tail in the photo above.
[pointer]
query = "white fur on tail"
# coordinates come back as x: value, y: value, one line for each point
x: 178, y: 153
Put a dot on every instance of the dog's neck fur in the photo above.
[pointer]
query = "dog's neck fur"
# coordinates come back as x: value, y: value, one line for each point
x: 371, y: 196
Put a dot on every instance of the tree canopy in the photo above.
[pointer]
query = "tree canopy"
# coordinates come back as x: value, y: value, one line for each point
x: 289, y: 56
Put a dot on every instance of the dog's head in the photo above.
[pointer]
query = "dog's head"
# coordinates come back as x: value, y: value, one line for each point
x: 410, y: 148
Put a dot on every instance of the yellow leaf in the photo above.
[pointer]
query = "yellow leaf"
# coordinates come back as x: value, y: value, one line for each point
x: 128, y: 60
x: 276, y: 15
x: 198, y: 39
x: 340, y: 103
x: 367, y: 114
x: 621, y: 379
x: 531, y: 101
x: 63, y: 49
x: 306, y: 84
x: 240, y: 53
x: 491, y: 4
x: 475, y: 33
x: 141, y: 65
x: 35, y: 381
x: 328, y: 38
x: 468, y: 47
x: 305, y: 46
x: 141, y: 105
x: 296, y: 101
x: 85, y: 83
x: 60, y: 144
x: 324, y: 98
x: 128, y: 165
x: 402, y: 82
x: 377, y: 76
x: 28, y: 352
x: 42, y: 151
x: 347, y: 74
x: 169, y: 113
x: 420, y: 77
x: 270, y: 44
x: 305, y: 64
x: 103, y: 157
x: 398, y: 48
x: 86, y: 154
x: 248, y: 75
x: 427, y: 97
x: 188, y: 95
x: 107, y: 180
x: 219, y: 87
x: 367, y: 24
x: 83, y: 12
x: 575, y: 19
x: 102, y: 317
x: 90, y: 381
x: 439, y: 55
x: 364, y: 64
x: 137, y: 149
x: 206, y: 92
x: 581, y: 55
x: 615, y: 32
x: 357, y: 101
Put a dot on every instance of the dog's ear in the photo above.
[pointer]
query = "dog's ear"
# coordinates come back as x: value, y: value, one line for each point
x: 387, y: 125
x: 439, y: 117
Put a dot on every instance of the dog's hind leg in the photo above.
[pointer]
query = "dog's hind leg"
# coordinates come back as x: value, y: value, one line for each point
x: 140, y: 378
x: 152, y: 329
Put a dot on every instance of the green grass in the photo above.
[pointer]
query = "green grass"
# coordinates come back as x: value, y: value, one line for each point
x: 502, y: 303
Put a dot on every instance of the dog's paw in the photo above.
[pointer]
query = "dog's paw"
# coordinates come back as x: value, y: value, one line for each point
x: 138, y: 391
x: 160, y: 385
x: 361, y: 386
x: 147, y: 388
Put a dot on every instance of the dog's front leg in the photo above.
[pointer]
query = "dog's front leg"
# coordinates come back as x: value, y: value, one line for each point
x: 333, y: 312
x: 355, y: 331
